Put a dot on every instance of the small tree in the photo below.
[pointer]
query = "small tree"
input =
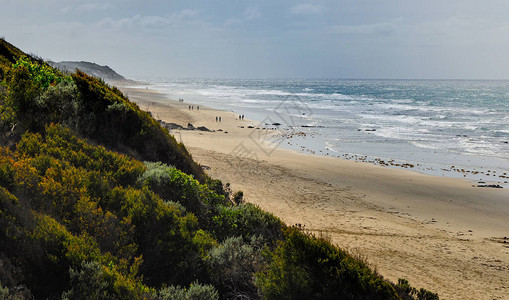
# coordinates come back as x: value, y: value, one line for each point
x: 233, y: 264
x: 87, y: 283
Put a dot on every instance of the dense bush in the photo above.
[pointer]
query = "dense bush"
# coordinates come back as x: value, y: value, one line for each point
x: 93, y: 281
x: 408, y: 292
x: 174, y: 185
x: 195, y: 291
x: 246, y: 220
x: 87, y: 283
x: 7, y: 171
x: 87, y: 207
x: 306, y: 267
x: 4, y: 292
x: 233, y: 265
x: 37, y: 94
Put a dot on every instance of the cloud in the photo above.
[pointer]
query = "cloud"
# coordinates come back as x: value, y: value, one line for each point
x: 151, y: 22
x: 94, y: 6
x: 364, y: 29
x: 186, y: 14
x: 307, y: 9
x: 250, y: 13
x: 65, y: 9
x: 459, y: 31
x: 137, y: 21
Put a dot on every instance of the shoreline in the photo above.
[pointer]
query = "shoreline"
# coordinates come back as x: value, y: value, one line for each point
x: 440, y: 233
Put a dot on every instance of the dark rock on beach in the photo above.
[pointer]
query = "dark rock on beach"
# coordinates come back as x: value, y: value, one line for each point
x: 496, y: 186
x: 203, y: 128
x: 172, y: 126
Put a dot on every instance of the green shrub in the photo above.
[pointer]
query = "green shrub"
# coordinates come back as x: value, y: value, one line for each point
x: 164, y: 234
x: 27, y: 81
x: 87, y: 283
x: 13, y: 222
x: 15, y: 293
x: 217, y: 187
x: 204, y: 241
x: 426, y: 295
x: 238, y: 198
x: 91, y: 280
x: 4, y: 292
x: 246, y: 220
x: 8, y: 53
x: 174, y: 185
x: 233, y: 264
x: 22, y: 92
x: 59, y: 104
x: 195, y: 291
x: 306, y: 267
x: 7, y: 172
x: 408, y: 292
x: 60, y: 143
x: 6, y: 176
x: 41, y: 73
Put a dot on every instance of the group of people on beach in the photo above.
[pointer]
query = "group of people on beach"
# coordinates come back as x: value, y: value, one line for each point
x: 218, y: 119
x: 191, y: 107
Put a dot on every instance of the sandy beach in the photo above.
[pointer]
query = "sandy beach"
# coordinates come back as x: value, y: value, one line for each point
x: 443, y: 234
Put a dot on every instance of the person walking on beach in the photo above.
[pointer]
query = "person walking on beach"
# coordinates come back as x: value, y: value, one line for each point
x: 197, y: 107
x: 219, y: 119
x: 189, y: 107
x: 216, y: 119
x: 242, y: 117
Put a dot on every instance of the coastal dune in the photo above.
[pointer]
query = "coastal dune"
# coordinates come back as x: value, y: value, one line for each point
x: 443, y: 234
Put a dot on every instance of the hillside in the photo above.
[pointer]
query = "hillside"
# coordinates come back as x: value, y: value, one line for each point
x: 92, y: 69
x: 98, y: 201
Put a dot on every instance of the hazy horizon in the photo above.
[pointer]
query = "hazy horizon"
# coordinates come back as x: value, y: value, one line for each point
x: 266, y: 39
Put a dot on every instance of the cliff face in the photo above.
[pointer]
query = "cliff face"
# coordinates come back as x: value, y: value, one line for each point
x: 93, y: 69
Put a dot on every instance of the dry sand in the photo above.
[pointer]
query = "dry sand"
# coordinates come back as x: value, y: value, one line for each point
x: 441, y: 234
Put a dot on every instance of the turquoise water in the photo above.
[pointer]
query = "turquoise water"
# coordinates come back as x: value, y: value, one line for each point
x: 436, y: 125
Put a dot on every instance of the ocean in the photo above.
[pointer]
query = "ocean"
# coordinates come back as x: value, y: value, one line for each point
x: 454, y: 128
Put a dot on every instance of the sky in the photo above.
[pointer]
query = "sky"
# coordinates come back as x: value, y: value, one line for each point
x: 400, y: 39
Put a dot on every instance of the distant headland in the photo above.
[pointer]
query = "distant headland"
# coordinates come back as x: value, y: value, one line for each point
x: 104, y: 72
